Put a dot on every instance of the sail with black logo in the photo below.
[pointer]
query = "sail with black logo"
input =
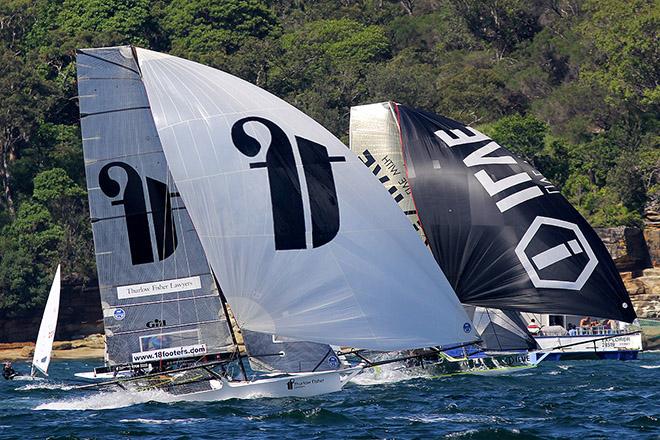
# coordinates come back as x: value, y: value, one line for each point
x: 374, y: 137
x: 158, y: 295
x: 157, y: 289
x: 304, y: 243
x: 267, y: 198
x: 504, y: 235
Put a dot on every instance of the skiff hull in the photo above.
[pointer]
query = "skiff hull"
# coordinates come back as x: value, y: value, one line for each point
x: 292, y: 385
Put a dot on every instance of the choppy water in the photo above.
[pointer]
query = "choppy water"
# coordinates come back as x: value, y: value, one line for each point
x: 582, y: 399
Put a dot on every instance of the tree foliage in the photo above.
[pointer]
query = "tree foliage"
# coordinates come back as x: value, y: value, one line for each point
x: 570, y: 85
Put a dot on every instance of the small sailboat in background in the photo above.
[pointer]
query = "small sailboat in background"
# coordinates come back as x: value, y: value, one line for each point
x: 44, y: 346
x: 250, y: 207
x: 503, y: 234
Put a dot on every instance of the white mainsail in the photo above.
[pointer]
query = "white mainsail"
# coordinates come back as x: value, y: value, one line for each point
x: 310, y: 248
x: 44, y: 346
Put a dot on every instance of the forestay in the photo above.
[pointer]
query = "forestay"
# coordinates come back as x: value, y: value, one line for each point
x: 305, y: 242
x: 159, y: 298
x: 504, y: 235
x: 46, y: 336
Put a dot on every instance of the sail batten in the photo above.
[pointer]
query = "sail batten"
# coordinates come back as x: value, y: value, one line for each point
x: 304, y: 243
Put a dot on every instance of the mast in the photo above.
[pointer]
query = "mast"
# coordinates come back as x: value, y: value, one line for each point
x: 234, y: 339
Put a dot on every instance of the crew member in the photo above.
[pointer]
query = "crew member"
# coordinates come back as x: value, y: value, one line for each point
x: 585, y: 322
x: 8, y: 371
x: 533, y: 327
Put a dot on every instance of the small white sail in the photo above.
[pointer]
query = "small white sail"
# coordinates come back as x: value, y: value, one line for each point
x: 47, y: 328
x: 304, y: 240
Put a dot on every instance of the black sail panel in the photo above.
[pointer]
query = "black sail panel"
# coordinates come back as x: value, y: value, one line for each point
x: 503, y: 234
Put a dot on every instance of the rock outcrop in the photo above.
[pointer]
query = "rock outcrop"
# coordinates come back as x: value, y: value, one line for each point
x: 645, y: 292
x: 652, y: 236
x: 628, y: 248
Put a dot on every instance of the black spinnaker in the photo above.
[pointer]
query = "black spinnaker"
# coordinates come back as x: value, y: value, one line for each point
x: 503, y: 234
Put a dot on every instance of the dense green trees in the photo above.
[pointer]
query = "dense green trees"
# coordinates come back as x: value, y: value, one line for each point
x: 570, y: 85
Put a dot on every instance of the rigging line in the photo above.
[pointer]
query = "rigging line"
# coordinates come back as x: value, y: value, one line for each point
x: 80, y: 51
x: 330, y: 351
x: 84, y: 115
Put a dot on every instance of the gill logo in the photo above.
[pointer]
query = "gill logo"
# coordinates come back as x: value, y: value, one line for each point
x: 136, y: 215
x: 285, y: 186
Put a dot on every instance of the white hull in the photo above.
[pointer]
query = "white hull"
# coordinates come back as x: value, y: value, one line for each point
x: 590, y: 346
x: 90, y: 375
x: 572, y: 344
x: 293, y: 385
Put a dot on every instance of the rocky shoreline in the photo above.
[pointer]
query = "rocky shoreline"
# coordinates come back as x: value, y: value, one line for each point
x: 90, y: 347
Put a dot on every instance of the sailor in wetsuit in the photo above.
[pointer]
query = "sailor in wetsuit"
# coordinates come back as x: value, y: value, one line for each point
x: 8, y: 371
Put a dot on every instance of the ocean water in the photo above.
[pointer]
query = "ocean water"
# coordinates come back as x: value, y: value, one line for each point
x: 580, y: 399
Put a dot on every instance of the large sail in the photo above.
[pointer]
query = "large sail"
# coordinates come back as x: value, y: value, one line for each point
x: 158, y: 295
x: 305, y: 243
x: 503, y: 234
x: 46, y: 336
x: 375, y: 139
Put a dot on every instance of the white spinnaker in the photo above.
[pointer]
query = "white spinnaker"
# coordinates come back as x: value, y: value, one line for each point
x: 44, y: 346
x: 373, y: 286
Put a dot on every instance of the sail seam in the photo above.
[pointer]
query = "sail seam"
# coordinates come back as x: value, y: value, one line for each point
x: 84, y: 115
x: 165, y: 300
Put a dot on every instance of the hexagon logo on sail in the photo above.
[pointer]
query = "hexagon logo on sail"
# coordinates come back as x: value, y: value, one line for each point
x: 555, y: 254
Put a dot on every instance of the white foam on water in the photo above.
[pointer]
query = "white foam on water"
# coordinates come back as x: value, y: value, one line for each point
x: 460, y: 434
x: 162, y: 422
x: 390, y: 373
x: 564, y: 367
x: 459, y: 418
x: 650, y: 367
x: 28, y: 378
x: 45, y: 385
x: 108, y: 400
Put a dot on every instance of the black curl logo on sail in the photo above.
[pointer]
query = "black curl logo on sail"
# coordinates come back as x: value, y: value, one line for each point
x: 136, y: 216
x: 284, y: 183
